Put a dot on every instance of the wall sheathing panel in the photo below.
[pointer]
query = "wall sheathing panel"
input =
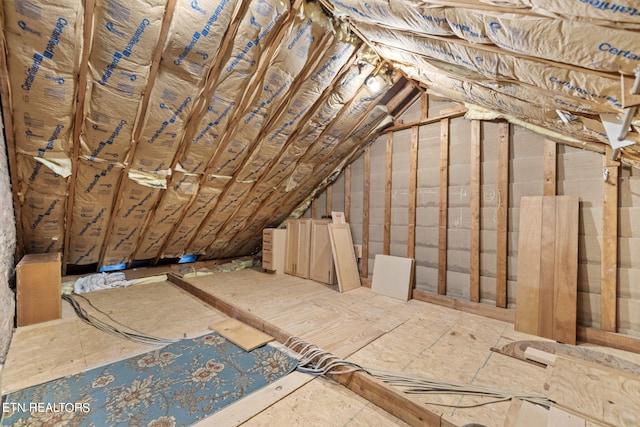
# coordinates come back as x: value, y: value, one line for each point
x: 459, y: 214
x: 400, y: 192
x: 376, y: 201
x: 427, y: 198
x: 629, y: 253
x: 489, y: 200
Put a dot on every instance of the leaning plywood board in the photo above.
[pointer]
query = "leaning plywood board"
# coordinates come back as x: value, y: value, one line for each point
x: 304, y: 247
x: 529, y: 246
x: 600, y: 393
x: 343, y: 257
x: 321, y: 261
x: 565, y: 299
x: 241, y: 334
x: 290, y: 258
x: 548, y: 267
x: 392, y: 276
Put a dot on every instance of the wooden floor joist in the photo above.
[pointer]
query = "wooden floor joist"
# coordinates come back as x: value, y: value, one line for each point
x: 393, y: 401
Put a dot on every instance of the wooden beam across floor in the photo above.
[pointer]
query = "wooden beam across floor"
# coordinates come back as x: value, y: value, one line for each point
x: 392, y: 400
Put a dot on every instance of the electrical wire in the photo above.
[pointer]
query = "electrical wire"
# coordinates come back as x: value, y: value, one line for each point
x: 135, y: 336
x: 316, y: 361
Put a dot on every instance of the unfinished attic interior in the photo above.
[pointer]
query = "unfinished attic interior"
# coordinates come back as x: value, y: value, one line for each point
x: 332, y: 212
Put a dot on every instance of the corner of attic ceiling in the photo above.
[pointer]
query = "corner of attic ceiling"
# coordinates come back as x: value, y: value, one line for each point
x: 142, y: 132
x: 566, y: 69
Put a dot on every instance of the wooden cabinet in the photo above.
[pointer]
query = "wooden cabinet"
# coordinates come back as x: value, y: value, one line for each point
x: 321, y: 267
x: 38, y: 289
x: 308, y: 250
x: 273, y: 249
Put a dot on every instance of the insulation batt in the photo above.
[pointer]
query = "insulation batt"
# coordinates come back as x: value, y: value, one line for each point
x: 176, y: 199
x: 96, y: 184
x: 255, y: 30
x: 207, y: 196
x: 96, y: 282
x: 333, y: 58
x: 597, y: 91
x: 196, y: 31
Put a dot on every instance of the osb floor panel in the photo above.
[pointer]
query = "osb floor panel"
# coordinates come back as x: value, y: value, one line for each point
x: 369, y: 329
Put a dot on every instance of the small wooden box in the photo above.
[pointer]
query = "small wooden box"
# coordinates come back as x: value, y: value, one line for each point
x: 38, y: 289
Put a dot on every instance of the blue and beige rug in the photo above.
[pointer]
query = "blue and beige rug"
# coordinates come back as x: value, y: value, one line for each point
x: 174, y: 386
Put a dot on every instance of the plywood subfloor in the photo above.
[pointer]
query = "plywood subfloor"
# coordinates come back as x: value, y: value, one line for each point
x: 370, y: 329
x: 42, y: 352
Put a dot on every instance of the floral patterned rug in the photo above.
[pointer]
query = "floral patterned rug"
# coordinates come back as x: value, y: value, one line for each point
x: 174, y: 386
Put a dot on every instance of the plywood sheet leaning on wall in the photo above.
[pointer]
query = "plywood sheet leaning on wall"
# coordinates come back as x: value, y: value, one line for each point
x: 392, y: 276
x: 344, y: 257
x: 321, y: 266
x: 548, y: 267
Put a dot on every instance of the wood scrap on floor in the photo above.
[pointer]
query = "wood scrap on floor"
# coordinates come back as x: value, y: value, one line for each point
x: 517, y: 350
x: 525, y: 414
x: 603, y: 394
x: 241, y: 334
x: 392, y: 276
x: 343, y: 257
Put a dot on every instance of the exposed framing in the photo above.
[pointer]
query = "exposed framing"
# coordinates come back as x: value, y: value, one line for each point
x: 388, y: 183
x: 474, y: 244
x: 444, y: 207
x: 502, y: 216
x: 609, y: 258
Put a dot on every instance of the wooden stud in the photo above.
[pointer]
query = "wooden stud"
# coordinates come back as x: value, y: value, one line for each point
x: 474, y: 247
x: 388, y: 176
x: 426, y: 121
x: 502, y: 214
x: 609, y: 263
x: 329, y: 206
x: 7, y: 117
x: 81, y: 93
x: 424, y: 106
x: 550, y: 166
x: 444, y: 207
x: 364, y: 272
x: 347, y: 193
x: 413, y: 190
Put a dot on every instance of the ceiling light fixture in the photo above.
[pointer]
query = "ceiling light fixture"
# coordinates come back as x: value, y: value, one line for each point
x: 374, y: 83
